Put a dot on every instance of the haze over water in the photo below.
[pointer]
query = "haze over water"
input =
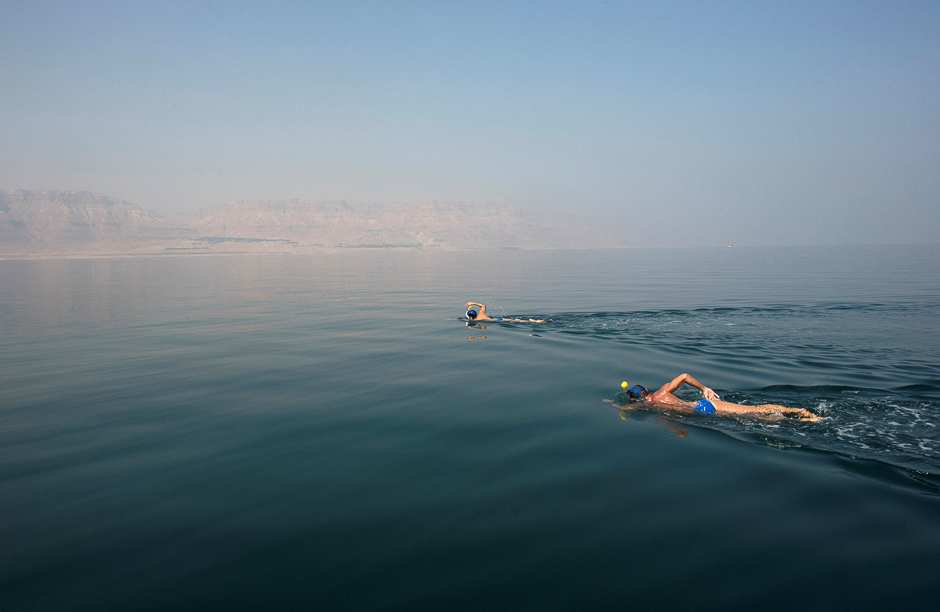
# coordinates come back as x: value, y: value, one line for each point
x: 690, y: 123
x: 325, y: 433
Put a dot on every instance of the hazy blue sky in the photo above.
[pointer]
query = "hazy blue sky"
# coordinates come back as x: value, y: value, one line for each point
x: 705, y: 123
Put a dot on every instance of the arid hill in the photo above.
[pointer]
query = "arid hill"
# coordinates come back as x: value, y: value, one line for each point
x: 35, y: 222
x: 447, y: 225
x: 73, y: 218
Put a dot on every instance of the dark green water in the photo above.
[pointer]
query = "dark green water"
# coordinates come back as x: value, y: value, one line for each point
x: 318, y: 433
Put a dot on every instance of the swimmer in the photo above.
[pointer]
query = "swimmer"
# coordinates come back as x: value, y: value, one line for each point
x: 664, y: 398
x: 473, y: 315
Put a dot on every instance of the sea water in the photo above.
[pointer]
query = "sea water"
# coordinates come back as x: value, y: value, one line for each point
x: 325, y: 432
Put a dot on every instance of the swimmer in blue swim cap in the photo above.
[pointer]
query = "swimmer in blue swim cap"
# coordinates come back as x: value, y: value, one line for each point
x: 474, y: 316
x: 712, y: 404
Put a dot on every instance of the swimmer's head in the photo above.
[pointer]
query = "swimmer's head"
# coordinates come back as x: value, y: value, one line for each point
x: 638, y: 392
x: 471, y: 314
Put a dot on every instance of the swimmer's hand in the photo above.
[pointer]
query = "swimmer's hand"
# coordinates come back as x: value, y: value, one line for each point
x: 709, y: 394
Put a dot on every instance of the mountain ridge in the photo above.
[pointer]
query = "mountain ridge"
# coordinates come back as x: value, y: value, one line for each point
x: 36, y: 221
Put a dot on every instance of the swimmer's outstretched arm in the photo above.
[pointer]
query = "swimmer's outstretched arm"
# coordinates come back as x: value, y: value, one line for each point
x: 482, y: 308
x: 687, y: 379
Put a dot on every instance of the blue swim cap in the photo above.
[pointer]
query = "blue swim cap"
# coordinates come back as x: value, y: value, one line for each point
x: 471, y: 314
x: 637, y: 391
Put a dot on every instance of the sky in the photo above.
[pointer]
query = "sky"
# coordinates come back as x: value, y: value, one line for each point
x: 686, y: 123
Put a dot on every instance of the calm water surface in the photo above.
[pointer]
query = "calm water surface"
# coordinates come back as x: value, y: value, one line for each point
x: 324, y: 432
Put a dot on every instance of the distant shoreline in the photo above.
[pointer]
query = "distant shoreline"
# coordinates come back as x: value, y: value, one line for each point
x: 84, y: 224
x: 102, y: 251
